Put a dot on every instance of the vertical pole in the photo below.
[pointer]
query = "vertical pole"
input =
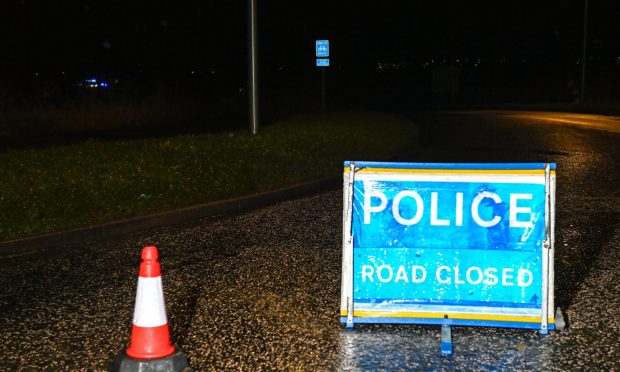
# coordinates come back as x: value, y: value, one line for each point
x: 253, y: 67
x: 553, y: 312
x: 323, y: 89
x: 348, y: 244
x: 583, y: 56
x: 546, y: 250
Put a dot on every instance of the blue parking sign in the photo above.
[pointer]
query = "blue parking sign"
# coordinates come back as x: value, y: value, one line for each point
x: 322, y: 62
x: 322, y: 48
x: 449, y: 244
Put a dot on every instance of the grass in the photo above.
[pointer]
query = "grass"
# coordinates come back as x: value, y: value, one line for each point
x: 50, y: 189
x: 99, y: 118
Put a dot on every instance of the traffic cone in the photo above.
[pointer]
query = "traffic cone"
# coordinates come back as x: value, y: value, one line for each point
x: 150, y: 347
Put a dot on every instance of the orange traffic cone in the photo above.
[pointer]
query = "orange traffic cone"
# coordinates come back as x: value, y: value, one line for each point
x: 150, y: 335
x: 150, y: 345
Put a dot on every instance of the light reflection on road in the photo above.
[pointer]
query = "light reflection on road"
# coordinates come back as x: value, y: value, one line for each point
x: 374, y: 348
x: 418, y: 348
x: 599, y: 122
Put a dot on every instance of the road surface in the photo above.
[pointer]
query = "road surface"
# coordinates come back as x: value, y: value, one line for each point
x: 261, y: 290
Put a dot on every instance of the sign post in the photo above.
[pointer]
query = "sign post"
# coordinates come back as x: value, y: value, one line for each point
x: 449, y: 244
x: 322, y: 60
x: 254, y: 113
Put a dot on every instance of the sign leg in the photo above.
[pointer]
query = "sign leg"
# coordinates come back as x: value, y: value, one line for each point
x: 446, y: 340
x: 349, y: 312
x: 560, y: 323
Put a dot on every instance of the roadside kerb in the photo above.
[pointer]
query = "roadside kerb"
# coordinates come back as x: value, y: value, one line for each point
x: 215, y: 209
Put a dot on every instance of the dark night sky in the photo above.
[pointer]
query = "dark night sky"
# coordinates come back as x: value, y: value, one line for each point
x: 83, y: 35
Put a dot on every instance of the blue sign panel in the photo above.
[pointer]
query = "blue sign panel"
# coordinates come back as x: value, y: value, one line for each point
x: 322, y: 62
x: 454, y: 277
x: 470, y: 243
x: 322, y: 48
x: 425, y: 214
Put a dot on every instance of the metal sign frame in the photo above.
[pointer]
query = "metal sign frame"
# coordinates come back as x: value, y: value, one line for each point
x: 540, y: 176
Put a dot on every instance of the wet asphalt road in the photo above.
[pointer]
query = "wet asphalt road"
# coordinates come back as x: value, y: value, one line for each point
x: 261, y: 291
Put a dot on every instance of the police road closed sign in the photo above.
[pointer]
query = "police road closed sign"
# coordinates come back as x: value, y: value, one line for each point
x: 457, y: 244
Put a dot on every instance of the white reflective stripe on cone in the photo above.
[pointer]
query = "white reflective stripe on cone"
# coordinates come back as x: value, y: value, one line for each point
x: 150, y: 310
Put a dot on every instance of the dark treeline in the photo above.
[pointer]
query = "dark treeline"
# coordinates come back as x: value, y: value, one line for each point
x: 285, y: 90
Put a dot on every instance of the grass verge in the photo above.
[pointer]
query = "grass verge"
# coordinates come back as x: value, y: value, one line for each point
x: 50, y: 189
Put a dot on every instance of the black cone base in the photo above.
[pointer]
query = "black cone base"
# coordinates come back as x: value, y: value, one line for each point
x: 176, y: 362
